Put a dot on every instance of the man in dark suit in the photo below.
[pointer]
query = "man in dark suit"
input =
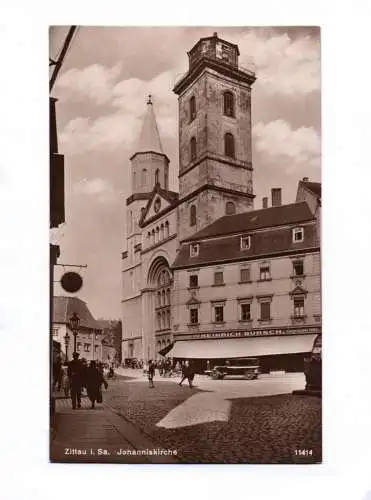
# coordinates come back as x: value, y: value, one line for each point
x: 75, y: 374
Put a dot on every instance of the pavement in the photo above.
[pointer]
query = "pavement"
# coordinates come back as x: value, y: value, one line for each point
x: 219, y: 421
x: 88, y: 435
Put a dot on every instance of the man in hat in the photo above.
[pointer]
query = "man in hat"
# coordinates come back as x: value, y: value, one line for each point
x: 75, y: 374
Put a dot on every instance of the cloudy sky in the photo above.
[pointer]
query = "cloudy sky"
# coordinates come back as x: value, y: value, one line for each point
x: 101, y: 93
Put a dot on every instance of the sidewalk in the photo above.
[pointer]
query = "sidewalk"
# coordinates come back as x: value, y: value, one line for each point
x: 100, y: 436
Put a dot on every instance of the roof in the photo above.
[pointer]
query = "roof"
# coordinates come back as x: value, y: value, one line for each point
x: 256, y: 219
x: 315, y: 187
x: 64, y: 307
x: 264, y: 244
x: 149, y: 139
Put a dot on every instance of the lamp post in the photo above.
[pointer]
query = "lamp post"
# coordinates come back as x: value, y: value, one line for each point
x: 75, y: 323
x: 66, y: 343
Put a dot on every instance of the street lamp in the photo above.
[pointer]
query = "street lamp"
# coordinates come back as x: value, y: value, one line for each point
x: 66, y: 343
x: 74, y: 323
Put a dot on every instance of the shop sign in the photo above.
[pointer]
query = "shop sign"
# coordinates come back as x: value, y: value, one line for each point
x: 250, y: 333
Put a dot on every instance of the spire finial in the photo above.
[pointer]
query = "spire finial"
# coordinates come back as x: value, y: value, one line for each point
x: 215, y: 34
x: 149, y: 99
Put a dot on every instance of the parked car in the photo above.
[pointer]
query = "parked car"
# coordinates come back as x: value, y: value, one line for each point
x: 248, y: 367
x: 313, y: 366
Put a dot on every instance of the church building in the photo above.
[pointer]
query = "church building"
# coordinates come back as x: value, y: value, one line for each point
x: 205, y: 275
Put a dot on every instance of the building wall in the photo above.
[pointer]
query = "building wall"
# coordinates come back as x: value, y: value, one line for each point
x: 89, y: 344
x: 233, y: 292
x: 210, y: 205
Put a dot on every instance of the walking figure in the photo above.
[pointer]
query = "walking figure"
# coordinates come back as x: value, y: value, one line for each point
x: 151, y: 373
x: 75, y: 375
x: 94, y: 381
x: 187, y: 372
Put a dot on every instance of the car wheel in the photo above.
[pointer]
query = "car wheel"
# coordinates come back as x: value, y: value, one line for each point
x: 248, y: 375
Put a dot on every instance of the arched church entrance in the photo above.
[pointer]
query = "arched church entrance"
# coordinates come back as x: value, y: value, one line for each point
x: 160, y: 282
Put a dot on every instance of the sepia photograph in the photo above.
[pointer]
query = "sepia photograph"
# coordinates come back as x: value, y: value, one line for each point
x: 185, y: 245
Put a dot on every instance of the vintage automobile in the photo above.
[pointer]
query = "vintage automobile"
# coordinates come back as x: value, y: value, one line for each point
x: 313, y: 366
x: 248, y: 367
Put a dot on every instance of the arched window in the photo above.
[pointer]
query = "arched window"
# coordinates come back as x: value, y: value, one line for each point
x: 157, y: 176
x: 158, y: 299
x: 163, y: 298
x: 193, y: 148
x: 192, y: 221
x: 192, y: 108
x: 230, y: 208
x: 166, y: 178
x: 166, y: 229
x: 168, y: 296
x: 162, y: 232
x: 228, y: 104
x: 144, y: 177
x: 134, y: 181
x: 142, y: 211
x: 229, y: 145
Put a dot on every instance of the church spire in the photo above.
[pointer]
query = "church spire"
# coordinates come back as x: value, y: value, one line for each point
x: 149, y: 139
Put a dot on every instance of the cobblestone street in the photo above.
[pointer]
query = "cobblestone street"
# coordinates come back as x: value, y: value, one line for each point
x: 267, y: 429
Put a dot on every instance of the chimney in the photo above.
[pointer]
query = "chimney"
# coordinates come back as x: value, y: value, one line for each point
x: 265, y: 202
x: 305, y: 179
x: 276, y: 197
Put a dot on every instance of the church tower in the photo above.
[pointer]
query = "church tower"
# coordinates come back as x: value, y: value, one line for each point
x: 149, y: 166
x: 215, y: 160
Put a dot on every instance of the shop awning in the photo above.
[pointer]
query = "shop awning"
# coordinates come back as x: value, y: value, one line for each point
x: 239, y: 348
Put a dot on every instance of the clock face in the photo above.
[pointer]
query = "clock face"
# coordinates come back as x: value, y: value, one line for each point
x: 157, y: 204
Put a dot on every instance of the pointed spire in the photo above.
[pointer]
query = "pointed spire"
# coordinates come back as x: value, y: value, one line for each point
x: 149, y: 139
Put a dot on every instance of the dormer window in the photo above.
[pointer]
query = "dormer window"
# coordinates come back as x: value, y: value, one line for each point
x: 298, y: 235
x: 194, y: 249
x: 245, y: 242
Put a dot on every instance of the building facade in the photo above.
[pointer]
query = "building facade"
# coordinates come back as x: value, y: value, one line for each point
x: 89, y: 338
x: 203, y: 271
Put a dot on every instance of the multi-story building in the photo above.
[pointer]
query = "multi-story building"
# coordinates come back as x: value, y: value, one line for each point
x: 89, y: 338
x: 203, y: 269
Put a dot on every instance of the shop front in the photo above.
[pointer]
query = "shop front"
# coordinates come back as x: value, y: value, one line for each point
x: 277, y: 349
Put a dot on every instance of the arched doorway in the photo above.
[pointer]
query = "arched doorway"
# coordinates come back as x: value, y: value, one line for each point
x: 160, y: 281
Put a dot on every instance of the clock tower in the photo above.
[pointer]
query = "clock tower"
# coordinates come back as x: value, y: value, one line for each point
x: 215, y: 160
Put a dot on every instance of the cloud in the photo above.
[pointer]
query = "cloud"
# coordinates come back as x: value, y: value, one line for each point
x: 100, y: 189
x: 283, y: 66
x: 94, y: 82
x: 276, y: 141
x: 122, y: 127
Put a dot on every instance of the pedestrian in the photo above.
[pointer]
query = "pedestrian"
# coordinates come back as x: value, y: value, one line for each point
x: 151, y: 373
x: 65, y: 385
x: 75, y: 375
x: 57, y: 373
x: 94, y: 381
x: 187, y: 373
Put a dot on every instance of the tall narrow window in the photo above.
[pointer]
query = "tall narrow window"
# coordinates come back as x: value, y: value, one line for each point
x: 134, y: 181
x: 265, y: 272
x: 157, y: 176
x: 298, y: 267
x: 193, y: 147
x: 218, y: 278
x: 193, y: 316
x: 192, y: 108
x: 265, y: 311
x: 228, y: 104
x: 219, y: 314
x: 166, y: 179
x: 229, y: 145
x: 144, y: 177
x: 192, y: 216
x: 230, y: 208
x: 298, y: 307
